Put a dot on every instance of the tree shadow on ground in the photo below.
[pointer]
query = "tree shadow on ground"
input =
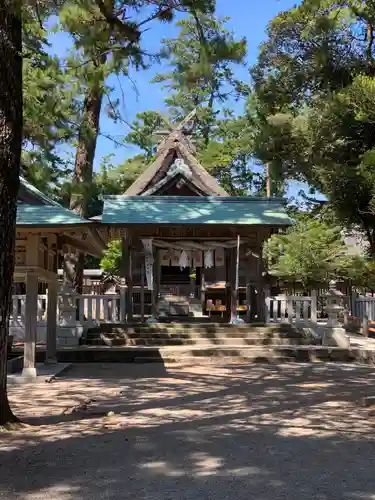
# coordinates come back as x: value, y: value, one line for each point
x: 262, y: 432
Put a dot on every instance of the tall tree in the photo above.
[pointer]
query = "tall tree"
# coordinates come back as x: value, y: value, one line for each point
x: 316, y: 90
x: 49, y: 112
x: 311, y: 252
x: 10, y: 156
x: 204, y: 80
x: 108, y: 36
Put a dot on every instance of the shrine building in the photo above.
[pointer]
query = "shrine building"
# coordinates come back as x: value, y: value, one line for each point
x: 191, y: 248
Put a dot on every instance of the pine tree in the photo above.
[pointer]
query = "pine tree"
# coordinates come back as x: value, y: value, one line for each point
x: 108, y: 41
x: 10, y: 157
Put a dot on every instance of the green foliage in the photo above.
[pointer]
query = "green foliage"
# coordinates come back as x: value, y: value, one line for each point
x: 362, y: 273
x: 315, y: 86
x: 107, y: 39
x: 204, y: 80
x: 111, y: 260
x: 143, y: 132
x: 116, y: 179
x: 48, y: 108
x: 311, y: 252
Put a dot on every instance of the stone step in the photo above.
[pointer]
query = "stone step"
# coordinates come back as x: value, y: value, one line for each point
x: 227, y: 354
x: 196, y: 335
x: 245, y: 340
x: 180, y: 328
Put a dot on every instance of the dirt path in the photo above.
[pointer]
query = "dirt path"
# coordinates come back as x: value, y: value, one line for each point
x: 192, y: 433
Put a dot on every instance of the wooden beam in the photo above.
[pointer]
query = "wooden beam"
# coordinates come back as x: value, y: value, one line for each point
x: 82, y: 226
x: 203, y: 288
x: 127, y: 274
x: 20, y: 273
x: 51, y: 322
x: 268, y: 181
x: 248, y: 287
x: 31, y: 307
x: 81, y: 245
x: 232, y: 279
x: 155, y: 291
x: 142, y: 289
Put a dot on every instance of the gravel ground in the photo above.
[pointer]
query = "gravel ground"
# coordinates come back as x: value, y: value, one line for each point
x: 217, y: 432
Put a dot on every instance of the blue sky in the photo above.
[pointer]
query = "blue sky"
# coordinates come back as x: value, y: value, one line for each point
x: 249, y: 18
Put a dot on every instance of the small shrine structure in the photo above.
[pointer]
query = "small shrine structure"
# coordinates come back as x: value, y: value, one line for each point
x: 194, y: 247
x: 45, y: 231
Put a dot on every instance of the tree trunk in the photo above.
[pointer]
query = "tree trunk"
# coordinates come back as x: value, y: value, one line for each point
x: 370, y: 233
x: 10, y: 156
x: 88, y: 134
x: 83, y: 168
x: 372, y: 247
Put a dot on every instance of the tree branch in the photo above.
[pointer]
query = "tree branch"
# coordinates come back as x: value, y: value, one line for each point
x: 131, y: 33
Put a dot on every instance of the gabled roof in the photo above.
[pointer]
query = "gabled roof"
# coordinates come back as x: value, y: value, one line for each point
x: 175, y: 146
x: 233, y: 210
x: 33, y: 194
x: 47, y: 215
x: 35, y: 208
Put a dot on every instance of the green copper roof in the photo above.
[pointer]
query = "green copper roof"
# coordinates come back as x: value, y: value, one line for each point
x: 43, y: 198
x: 47, y: 215
x: 193, y: 210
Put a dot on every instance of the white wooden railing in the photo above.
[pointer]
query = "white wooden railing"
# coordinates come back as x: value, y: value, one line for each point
x: 291, y: 309
x: 364, y: 306
x: 101, y: 308
x: 19, y: 305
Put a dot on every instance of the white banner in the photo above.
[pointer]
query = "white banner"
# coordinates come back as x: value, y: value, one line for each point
x: 185, y: 259
x: 208, y: 259
x: 149, y: 262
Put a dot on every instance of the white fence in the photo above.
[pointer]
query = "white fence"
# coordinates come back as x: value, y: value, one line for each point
x: 291, y: 309
x: 364, y: 306
x: 92, y: 309
x: 96, y: 309
x: 101, y: 308
x: 18, y: 307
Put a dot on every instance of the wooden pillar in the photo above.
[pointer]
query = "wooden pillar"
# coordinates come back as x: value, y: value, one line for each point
x: 248, y: 290
x: 227, y: 283
x: 31, y: 306
x: 261, y: 305
x: 156, y: 283
x: 142, y: 289
x: 127, y: 266
x: 130, y: 287
x: 203, y: 289
x: 233, y: 291
x: 51, y: 322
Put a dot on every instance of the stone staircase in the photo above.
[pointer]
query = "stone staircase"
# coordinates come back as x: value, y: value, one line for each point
x: 193, y: 341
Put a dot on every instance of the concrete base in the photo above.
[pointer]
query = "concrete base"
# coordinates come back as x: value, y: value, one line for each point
x: 29, y: 372
x: 336, y: 337
x: 43, y: 373
x: 17, y: 329
x: 69, y: 335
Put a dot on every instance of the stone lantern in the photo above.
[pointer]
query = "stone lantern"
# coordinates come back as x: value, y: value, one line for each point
x: 334, y: 305
x: 334, y: 333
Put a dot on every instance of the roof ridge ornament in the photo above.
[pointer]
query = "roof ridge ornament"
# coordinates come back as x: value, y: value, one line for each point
x: 180, y: 167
